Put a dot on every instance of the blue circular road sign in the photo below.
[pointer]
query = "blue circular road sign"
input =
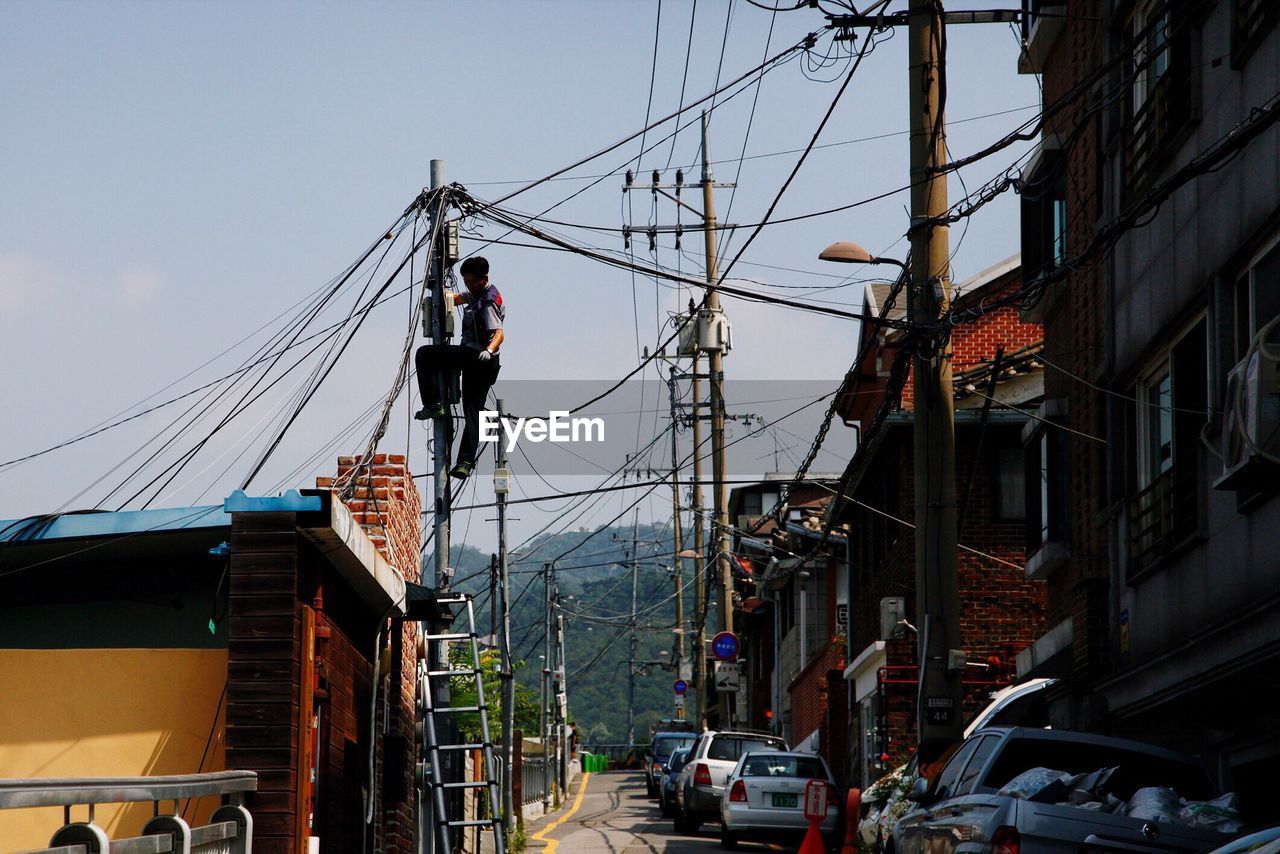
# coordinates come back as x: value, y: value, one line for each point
x: 680, y: 686
x: 724, y: 647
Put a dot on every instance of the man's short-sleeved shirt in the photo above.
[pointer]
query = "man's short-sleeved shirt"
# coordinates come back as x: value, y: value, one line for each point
x: 481, y: 317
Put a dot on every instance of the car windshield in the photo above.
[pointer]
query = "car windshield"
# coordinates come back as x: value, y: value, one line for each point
x: 807, y: 767
x: 663, y: 745
x: 731, y: 747
x: 677, y: 760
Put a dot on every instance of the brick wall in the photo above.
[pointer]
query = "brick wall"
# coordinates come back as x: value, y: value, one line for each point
x: 383, y: 498
x: 1075, y: 340
x: 976, y: 343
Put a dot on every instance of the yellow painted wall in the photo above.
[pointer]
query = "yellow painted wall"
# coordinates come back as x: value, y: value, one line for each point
x: 107, y: 713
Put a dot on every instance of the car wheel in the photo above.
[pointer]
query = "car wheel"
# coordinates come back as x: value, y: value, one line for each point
x: 677, y: 820
x: 692, y: 823
x: 663, y: 806
x: 652, y: 790
x: 728, y: 840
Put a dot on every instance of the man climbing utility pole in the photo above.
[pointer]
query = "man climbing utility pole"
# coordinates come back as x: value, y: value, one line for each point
x: 476, y: 358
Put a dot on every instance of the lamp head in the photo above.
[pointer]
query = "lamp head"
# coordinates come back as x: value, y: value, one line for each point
x: 846, y: 252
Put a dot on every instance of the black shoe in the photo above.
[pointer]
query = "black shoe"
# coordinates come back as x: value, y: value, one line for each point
x: 461, y: 471
x: 430, y: 413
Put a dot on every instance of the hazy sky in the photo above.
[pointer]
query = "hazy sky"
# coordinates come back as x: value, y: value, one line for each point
x: 174, y: 175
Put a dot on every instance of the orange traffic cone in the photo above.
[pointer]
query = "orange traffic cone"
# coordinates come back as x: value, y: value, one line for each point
x: 813, y: 843
x: 852, y: 809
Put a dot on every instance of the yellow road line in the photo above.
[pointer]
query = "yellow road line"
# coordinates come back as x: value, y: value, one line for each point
x: 577, y: 802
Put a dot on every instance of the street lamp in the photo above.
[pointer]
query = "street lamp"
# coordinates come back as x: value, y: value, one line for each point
x: 941, y: 660
x: 848, y: 252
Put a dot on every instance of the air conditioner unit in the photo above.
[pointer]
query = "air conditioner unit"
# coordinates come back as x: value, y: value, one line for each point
x: 1251, y: 427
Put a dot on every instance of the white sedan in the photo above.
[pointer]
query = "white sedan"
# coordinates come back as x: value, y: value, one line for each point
x: 765, y: 794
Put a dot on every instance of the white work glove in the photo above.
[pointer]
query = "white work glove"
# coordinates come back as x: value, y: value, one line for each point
x: 484, y: 356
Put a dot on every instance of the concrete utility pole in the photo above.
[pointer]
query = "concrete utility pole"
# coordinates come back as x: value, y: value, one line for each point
x: 631, y: 640
x: 440, y: 426
x: 562, y: 720
x: 501, y: 486
x: 720, y: 539
x: 699, y: 650
x: 676, y: 535
x: 548, y: 586
x: 929, y: 296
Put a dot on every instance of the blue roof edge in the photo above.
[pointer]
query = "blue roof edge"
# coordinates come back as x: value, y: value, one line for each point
x: 286, y: 502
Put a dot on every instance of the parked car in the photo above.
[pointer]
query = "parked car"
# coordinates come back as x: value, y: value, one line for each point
x: 711, y: 759
x: 1259, y: 842
x: 659, y: 751
x: 1016, y: 705
x: 667, y: 784
x: 978, y: 800
x: 764, y: 796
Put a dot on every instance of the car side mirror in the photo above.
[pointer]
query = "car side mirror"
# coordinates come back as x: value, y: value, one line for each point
x: 919, y: 793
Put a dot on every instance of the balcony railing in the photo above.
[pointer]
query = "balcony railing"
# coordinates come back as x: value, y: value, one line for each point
x: 1164, y: 514
x: 229, y: 831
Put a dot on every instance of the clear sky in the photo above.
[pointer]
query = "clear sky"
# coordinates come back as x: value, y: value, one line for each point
x: 173, y: 175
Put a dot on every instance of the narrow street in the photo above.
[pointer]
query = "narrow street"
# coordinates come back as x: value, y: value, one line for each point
x: 614, y: 815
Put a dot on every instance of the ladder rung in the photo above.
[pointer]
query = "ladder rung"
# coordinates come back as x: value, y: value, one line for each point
x: 474, y: 822
x: 452, y: 637
x: 474, y: 784
x: 478, y: 746
x: 459, y: 709
x: 471, y: 672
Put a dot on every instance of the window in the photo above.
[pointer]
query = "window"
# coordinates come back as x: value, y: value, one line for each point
x: 1044, y: 212
x: 1172, y: 408
x: 1256, y: 299
x: 1011, y: 489
x: 1150, y: 27
x: 1251, y: 20
x: 1045, y: 502
x: 1163, y: 89
x: 986, y: 746
x: 951, y: 773
x: 807, y: 767
x: 752, y: 504
x: 730, y: 747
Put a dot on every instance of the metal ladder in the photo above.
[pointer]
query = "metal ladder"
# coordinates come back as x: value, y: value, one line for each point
x: 443, y: 826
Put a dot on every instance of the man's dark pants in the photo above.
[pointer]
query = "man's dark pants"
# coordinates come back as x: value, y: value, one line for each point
x: 477, y: 378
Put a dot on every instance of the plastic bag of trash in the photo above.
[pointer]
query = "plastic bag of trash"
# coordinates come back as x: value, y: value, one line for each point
x: 1154, y: 803
x: 1093, y: 786
x: 1039, y: 784
x: 1221, y: 814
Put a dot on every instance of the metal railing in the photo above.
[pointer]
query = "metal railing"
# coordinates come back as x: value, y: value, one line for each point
x: 229, y: 831
x: 533, y: 780
x: 1164, y: 514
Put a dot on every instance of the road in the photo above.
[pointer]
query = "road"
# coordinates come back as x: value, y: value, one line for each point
x: 614, y: 815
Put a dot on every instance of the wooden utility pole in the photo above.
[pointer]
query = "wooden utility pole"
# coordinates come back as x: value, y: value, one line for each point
x: 939, y: 713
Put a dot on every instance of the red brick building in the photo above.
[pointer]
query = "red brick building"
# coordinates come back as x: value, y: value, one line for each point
x: 996, y: 376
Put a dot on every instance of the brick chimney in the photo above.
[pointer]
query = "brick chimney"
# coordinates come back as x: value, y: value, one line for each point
x: 386, y: 503
x: 382, y: 497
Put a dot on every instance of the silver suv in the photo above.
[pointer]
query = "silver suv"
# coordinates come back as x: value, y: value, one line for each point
x: 702, y: 780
